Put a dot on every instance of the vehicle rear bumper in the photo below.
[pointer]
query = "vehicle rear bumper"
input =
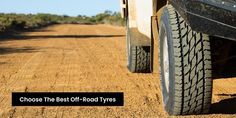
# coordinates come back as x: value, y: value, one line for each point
x: 213, y: 17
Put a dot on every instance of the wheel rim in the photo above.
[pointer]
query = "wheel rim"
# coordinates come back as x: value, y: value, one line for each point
x: 128, y: 42
x: 166, y: 63
x: 129, y: 51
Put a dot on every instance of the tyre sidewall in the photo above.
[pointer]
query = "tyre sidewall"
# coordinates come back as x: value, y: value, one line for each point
x: 165, y: 28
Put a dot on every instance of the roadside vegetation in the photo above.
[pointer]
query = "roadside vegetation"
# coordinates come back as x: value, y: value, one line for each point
x: 9, y: 22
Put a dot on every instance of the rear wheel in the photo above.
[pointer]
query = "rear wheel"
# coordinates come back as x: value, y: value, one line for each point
x: 138, y: 56
x: 185, y: 62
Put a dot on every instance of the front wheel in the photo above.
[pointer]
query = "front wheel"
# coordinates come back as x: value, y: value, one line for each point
x: 185, y: 66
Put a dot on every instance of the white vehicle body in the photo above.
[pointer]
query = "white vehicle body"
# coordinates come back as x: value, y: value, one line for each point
x: 140, y: 12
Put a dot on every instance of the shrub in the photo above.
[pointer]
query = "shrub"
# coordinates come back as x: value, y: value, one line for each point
x: 22, y: 21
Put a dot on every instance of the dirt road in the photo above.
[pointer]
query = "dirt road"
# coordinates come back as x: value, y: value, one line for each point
x: 86, y: 58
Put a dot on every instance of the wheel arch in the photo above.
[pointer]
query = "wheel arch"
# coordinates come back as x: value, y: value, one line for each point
x: 158, y: 4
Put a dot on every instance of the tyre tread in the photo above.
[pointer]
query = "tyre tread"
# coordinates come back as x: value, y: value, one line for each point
x: 140, y: 59
x: 192, y: 67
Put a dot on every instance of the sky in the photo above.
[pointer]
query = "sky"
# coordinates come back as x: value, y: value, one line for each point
x: 60, y: 7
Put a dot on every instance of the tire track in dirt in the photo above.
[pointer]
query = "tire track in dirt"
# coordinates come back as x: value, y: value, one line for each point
x: 19, y: 81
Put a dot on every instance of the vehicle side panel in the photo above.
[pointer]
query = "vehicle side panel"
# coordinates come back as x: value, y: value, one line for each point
x: 144, y: 11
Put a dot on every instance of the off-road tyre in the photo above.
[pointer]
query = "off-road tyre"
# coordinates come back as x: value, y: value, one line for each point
x: 139, y: 59
x: 138, y: 56
x: 190, y: 78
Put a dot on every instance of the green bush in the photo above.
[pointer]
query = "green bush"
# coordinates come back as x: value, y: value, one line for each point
x: 22, y: 21
x: 108, y: 17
